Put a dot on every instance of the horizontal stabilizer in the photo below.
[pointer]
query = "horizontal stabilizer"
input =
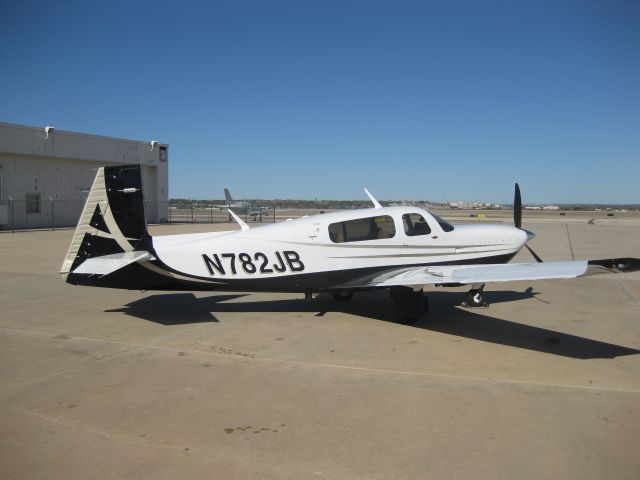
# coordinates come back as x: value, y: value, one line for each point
x: 107, y: 264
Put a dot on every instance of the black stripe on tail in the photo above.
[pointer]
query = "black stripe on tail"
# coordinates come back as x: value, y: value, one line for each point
x: 126, y: 202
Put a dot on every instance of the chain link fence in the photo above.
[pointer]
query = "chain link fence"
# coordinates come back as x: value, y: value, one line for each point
x: 46, y: 214
x: 53, y: 214
x: 208, y: 212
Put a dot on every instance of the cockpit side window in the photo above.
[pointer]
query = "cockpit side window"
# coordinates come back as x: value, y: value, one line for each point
x: 415, y: 224
x: 446, y: 226
x: 370, y: 228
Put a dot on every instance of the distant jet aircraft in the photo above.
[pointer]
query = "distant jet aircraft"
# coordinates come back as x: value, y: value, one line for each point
x: 401, y: 248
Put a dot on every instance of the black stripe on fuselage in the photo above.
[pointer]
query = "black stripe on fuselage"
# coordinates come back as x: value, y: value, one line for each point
x: 137, y: 277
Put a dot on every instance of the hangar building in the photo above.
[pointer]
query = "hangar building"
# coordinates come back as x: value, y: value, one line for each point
x: 46, y: 174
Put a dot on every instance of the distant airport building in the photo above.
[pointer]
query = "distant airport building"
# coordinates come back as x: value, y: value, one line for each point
x: 46, y: 174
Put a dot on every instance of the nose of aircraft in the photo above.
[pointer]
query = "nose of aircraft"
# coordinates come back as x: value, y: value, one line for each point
x: 523, y: 236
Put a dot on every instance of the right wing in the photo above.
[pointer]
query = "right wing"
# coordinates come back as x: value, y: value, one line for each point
x: 472, y: 274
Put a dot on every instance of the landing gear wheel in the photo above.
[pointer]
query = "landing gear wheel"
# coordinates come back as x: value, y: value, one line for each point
x: 342, y: 296
x: 408, y: 306
x: 475, y: 298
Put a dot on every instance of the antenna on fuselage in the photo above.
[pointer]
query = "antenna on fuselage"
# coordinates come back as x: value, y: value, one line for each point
x: 243, y: 226
x: 376, y: 203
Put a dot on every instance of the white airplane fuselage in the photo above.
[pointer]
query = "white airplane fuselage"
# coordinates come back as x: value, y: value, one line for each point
x: 303, y: 248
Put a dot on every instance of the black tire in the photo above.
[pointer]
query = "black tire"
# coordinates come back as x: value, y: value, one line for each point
x: 408, y: 306
x: 475, y: 298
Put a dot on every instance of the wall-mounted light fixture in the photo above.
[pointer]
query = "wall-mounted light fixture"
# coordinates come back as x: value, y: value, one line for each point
x: 48, y: 131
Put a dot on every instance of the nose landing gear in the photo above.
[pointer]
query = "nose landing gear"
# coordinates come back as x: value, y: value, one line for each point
x: 475, y: 298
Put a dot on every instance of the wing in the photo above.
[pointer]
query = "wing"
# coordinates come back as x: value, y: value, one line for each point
x: 469, y: 274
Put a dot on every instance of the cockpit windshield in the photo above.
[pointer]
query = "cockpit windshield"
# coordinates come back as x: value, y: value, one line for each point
x: 446, y: 226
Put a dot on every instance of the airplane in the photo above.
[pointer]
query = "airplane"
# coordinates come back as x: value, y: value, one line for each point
x: 250, y: 208
x: 399, y: 248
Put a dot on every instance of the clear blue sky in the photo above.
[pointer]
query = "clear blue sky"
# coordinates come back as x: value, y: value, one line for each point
x: 315, y: 99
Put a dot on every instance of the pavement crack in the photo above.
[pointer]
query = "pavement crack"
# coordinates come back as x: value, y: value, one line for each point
x: 382, y: 371
x: 71, y: 368
x: 566, y: 226
x: 635, y: 301
x: 91, y: 431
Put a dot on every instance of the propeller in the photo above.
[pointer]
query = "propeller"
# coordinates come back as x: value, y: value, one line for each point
x: 535, y: 255
x: 517, y: 208
x: 517, y: 220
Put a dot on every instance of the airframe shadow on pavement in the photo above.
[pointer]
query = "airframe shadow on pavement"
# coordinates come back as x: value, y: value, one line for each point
x: 444, y: 317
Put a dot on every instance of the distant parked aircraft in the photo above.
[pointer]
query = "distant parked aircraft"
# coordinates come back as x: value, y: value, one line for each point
x: 242, y: 206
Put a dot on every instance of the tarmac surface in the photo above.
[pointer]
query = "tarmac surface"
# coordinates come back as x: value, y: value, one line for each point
x: 98, y: 383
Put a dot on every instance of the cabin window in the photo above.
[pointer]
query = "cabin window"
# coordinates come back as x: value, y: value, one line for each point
x: 446, y: 226
x: 370, y: 228
x: 415, y: 224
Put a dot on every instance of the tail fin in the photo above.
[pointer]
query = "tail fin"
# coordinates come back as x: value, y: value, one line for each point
x: 112, y: 220
x: 227, y: 195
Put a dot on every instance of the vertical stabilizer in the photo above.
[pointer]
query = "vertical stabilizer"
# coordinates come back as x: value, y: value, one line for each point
x: 112, y: 220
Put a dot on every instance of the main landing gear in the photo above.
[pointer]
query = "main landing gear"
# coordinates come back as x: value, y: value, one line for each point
x: 408, y: 305
x: 342, y: 295
x: 475, y: 298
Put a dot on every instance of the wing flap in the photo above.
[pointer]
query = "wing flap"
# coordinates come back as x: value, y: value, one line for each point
x: 107, y: 264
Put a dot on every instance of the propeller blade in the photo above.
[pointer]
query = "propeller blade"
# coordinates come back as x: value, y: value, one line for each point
x: 535, y: 255
x: 517, y: 208
x: 517, y: 221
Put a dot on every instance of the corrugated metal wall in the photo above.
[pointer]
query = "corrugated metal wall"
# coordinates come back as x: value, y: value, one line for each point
x: 63, y: 185
x: 45, y: 174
